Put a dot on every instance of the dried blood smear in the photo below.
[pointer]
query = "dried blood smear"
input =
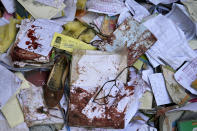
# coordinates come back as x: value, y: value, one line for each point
x: 33, y: 44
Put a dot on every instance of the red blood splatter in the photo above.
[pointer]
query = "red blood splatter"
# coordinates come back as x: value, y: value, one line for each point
x: 33, y: 44
x: 27, y: 42
x: 33, y: 26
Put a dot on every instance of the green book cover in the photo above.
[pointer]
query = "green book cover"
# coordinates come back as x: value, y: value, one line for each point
x: 190, y: 125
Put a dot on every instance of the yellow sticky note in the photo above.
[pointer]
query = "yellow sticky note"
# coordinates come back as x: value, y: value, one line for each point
x: 69, y: 44
x: 12, y: 110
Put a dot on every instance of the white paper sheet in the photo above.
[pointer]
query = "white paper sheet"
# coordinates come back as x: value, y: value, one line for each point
x: 186, y: 75
x: 137, y: 10
x: 9, y: 83
x: 109, y: 7
x: 182, y: 21
x: 171, y: 43
x: 9, y: 5
x: 43, y: 30
x: 159, y: 89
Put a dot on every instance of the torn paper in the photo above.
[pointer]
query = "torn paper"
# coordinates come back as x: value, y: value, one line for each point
x: 36, y: 36
x: 138, y: 11
x: 109, y: 7
x: 171, y: 45
x: 159, y: 89
x: 69, y: 12
x: 186, y: 75
x: 9, y: 83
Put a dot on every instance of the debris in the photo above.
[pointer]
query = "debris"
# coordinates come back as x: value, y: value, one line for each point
x: 52, y: 3
x: 34, y: 110
x: 7, y: 35
x: 138, y: 11
x: 109, y: 25
x: 182, y: 21
x: 191, y: 7
x: 31, y: 45
x: 186, y: 75
x: 12, y: 107
x: 11, y: 82
x: 159, y: 89
x: 5, y: 127
x: 176, y: 92
x: 194, y: 84
x: 146, y: 101
x: 168, y: 34
x: 9, y: 5
x: 135, y: 36
x: 90, y: 70
x: 54, y: 89
x: 38, y: 10
x: 68, y: 43
x: 98, y: 65
x: 109, y: 7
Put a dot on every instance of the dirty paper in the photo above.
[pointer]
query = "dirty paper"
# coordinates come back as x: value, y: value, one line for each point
x: 191, y: 7
x: 68, y: 43
x: 90, y: 70
x: 69, y: 12
x: 171, y: 45
x: 135, y: 36
x: 38, y: 10
x: 9, y: 83
x: 35, y: 111
x: 36, y: 36
x: 186, y: 75
x: 159, y: 89
x: 176, y: 92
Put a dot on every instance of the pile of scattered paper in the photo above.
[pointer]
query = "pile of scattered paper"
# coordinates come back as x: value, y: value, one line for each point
x: 98, y: 65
